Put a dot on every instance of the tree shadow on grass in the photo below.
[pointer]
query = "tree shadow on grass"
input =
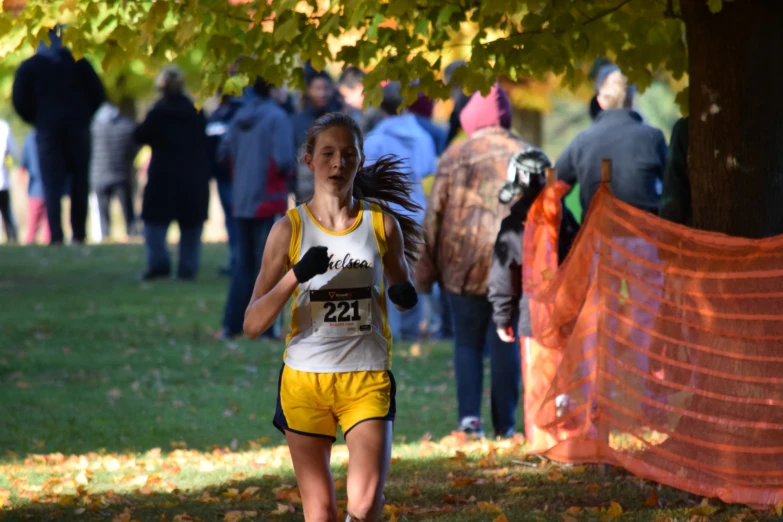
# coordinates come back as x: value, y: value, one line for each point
x: 463, y: 487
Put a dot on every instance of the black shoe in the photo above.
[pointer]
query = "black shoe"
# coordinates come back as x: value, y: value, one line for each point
x: 505, y: 434
x: 150, y: 275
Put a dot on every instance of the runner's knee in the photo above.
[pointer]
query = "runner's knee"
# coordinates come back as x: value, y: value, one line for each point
x: 367, y: 509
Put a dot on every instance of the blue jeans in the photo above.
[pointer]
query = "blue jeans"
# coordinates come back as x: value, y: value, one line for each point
x: 158, y: 258
x: 251, y: 240
x: 474, y: 335
x: 224, y: 193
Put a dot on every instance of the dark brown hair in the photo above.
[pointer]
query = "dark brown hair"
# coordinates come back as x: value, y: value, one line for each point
x: 385, y: 182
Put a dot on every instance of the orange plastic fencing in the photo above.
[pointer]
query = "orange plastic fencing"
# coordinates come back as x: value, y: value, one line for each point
x: 657, y: 348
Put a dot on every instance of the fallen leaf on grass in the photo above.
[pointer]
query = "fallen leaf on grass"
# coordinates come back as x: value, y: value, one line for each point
x: 489, y: 507
x: 652, y: 500
x: 518, y: 490
x: 79, y: 511
x: 413, y: 492
x: 568, y: 518
x: 184, y: 517
x: 575, y: 510
x: 282, y: 509
x: 461, y: 483
x: 114, y: 393
x: 615, y: 511
x: 391, y: 510
x: 703, y: 510
x: 593, y: 488
x: 501, y: 518
x: 555, y: 475
x: 231, y: 493
x: 459, y: 456
x: 236, y: 516
x: 578, y: 469
x: 249, y: 492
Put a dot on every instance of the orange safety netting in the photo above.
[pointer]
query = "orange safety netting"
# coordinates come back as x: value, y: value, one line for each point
x: 657, y: 348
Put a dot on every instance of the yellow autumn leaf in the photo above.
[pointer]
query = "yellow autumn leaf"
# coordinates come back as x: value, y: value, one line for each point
x: 568, y: 518
x: 282, y: 509
x: 518, y: 490
x: 555, y: 475
x: 489, y: 507
x: 615, y: 511
x: 574, y: 510
x: 393, y: 517
x: 501, y: 518
x: 704, y: 509
x: 249, y: 492
x: 125, y: 516
x: 391, y: 510
x: 231, y: 493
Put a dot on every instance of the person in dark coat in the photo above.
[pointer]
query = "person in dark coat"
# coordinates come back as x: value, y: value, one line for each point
x: 676, y: 195
x: 59, y: 96
x: 505, y: 274
x: 637, y: 150
x: 178, y: 177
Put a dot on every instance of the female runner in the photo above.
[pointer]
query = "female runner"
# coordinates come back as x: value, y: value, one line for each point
x: 334, y: 254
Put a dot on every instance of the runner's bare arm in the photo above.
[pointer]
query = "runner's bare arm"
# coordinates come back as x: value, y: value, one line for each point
x: 395, y: 265
x: 275, y: 283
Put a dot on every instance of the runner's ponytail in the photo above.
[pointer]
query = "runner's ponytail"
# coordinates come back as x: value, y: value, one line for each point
x: 385, y: 182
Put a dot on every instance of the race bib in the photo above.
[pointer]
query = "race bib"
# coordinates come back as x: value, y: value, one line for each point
x: 341, y: 312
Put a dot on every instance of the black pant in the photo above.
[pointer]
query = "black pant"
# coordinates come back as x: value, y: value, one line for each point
x: 65, y: 156
x: 123, y: 191
x: 8, y: 220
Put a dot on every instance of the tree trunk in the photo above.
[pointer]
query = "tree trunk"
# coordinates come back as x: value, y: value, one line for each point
x: 735, y: 158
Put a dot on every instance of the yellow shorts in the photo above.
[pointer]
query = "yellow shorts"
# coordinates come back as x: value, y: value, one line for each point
x: 315, y: 403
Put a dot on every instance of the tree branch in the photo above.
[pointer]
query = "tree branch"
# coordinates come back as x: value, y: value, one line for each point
x: 606, y: 12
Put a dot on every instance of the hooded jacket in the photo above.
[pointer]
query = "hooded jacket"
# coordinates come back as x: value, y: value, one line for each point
x: 178, y: 175
x: 113, y: 147
x: 402, y: 136
x: 55, y: 93
x: 463, y: 213
x: 260, y: 147
x: 217, y: 126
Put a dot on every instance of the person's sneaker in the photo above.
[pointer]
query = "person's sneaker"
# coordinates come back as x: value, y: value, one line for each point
x: 151, y: 275
x: 506, y: 434
x: 472, y: 428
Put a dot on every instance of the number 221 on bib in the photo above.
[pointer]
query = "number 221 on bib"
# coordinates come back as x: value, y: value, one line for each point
x: 341, y: 312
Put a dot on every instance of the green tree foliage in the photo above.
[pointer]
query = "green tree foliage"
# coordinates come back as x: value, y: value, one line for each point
x: 399, y: 39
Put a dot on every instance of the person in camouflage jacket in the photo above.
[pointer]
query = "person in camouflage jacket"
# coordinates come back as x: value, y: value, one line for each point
x: 460, y: 226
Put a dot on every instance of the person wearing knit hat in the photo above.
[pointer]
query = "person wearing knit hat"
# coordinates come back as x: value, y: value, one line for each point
x: 422, y: 109
x: 460, y: 226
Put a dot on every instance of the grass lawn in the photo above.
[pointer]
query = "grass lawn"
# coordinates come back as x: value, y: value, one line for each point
x: 117, y: 404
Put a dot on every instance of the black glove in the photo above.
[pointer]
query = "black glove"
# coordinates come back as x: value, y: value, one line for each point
x: 314, y: 262
x: 403, y: 295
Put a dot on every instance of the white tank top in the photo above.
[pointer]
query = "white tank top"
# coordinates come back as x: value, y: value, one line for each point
x: 339, y: 318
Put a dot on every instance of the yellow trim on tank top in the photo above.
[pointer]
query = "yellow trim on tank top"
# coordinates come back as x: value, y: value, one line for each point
x: 293, y: 256
x: 333, y: 232
x: 379, y: 230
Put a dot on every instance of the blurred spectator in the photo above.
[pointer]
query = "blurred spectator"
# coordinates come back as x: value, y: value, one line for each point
x: 260, y: 145
x: 459, y: 98
x: 422, y: 110
x: 217, y: 126
x: 505, y: 276
x: 7, y: 148
x: 401, y: 135
x: 111, y: 167
x: 177, y: 178
x: 283, y: 98
x: 462, y: 221
x: 317, y: 97
x: 637, y: 151
x: 36, y: 206
x: 676, y: 196
x: 59, y: 96
x: 352, y: 92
